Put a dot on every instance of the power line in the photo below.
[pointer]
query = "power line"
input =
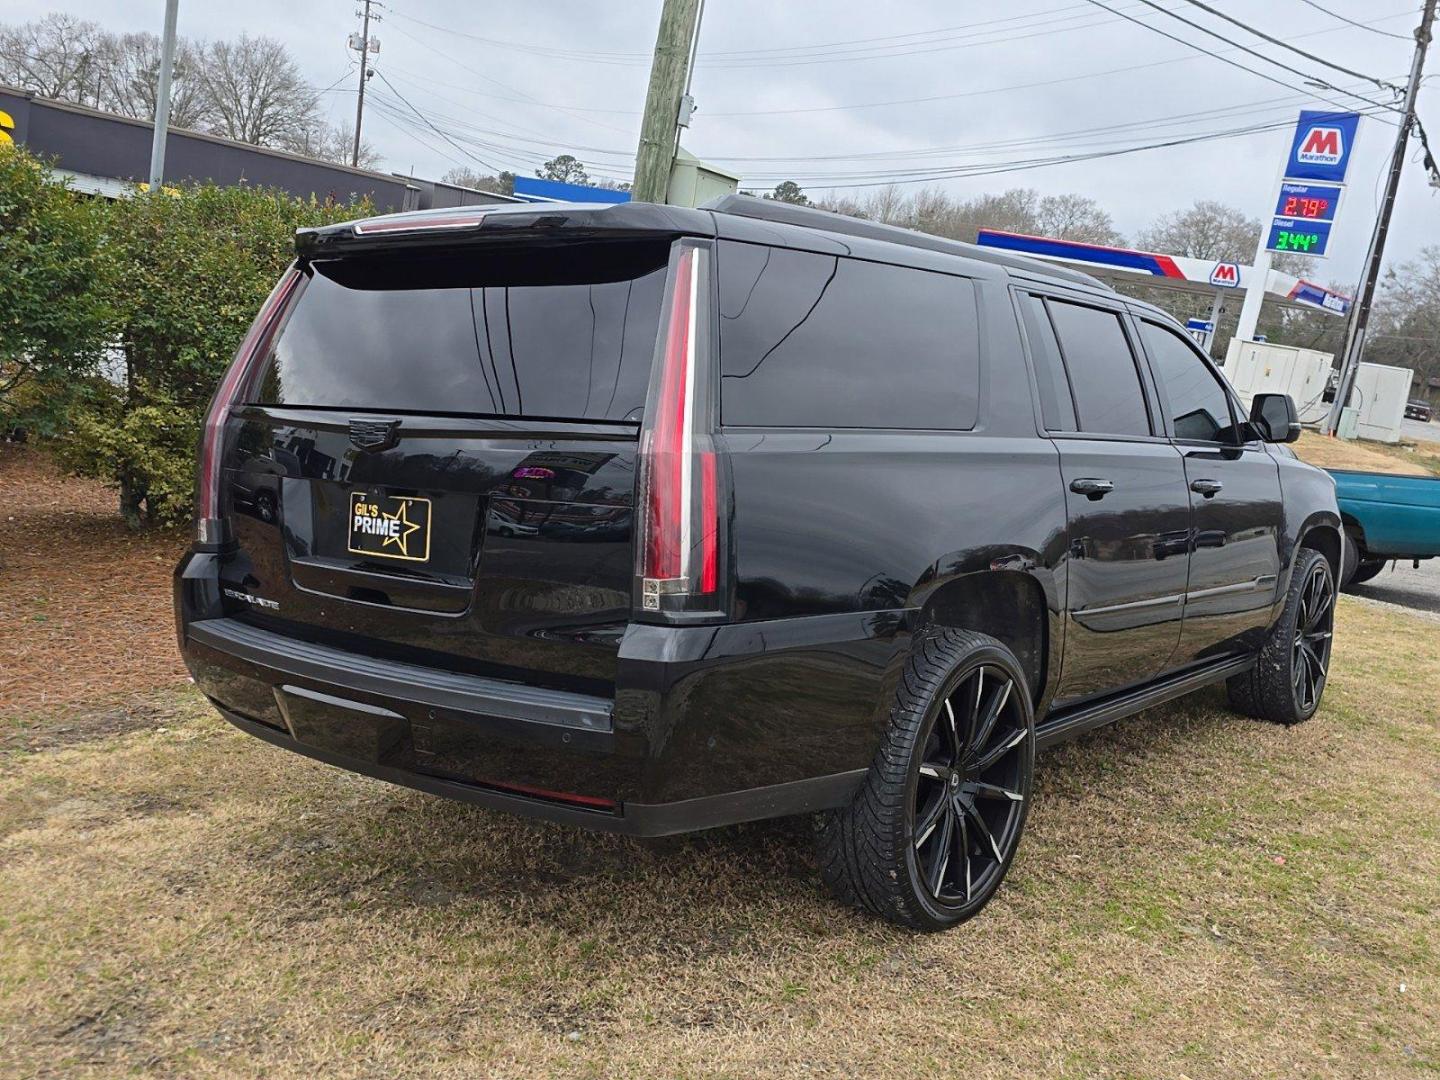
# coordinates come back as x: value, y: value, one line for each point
x: 1286, y: 45
x: 1041, y: 83
x: 788, y: 52
x: 1026, y: 165
x: 427, y: 123
x: 1352, y: 22
x: 1220, y: 56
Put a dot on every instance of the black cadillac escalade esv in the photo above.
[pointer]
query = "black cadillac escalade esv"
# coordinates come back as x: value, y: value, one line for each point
x: 654, y: 519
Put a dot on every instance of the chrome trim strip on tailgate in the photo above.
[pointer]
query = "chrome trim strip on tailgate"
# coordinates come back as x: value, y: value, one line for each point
x: 406, y: 682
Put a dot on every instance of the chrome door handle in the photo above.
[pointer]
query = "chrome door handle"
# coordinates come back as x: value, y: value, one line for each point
x: 1208, y: 488
x: 1091, y: 487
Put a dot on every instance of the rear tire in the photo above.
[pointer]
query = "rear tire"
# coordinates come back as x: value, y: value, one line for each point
x: 932, y: 832
x: 1291, y: 670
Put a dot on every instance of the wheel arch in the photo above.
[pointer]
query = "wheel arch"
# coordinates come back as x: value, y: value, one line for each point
x: 1324, y: 535
x: 1009, y: 606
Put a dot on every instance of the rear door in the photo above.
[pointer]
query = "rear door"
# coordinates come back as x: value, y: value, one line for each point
x: 1126, y: 505
x: 1235, y: 501
x: 437, y: 462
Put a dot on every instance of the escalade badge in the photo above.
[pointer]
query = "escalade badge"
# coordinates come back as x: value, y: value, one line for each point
x: 374, y: 434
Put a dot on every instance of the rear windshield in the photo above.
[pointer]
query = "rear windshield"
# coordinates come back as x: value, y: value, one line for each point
x: 566, y: 331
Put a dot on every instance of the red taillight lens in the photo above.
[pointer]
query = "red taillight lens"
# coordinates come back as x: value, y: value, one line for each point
x: 208, y: 523
x: 679, y: 557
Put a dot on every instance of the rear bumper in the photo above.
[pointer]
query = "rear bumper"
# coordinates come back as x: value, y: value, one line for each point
x: 708, y: 726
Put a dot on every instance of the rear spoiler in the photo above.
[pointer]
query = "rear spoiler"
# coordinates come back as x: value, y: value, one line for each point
x: 459, y: 226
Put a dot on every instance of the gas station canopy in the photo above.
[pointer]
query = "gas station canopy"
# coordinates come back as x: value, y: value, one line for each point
x: 1199, y: 276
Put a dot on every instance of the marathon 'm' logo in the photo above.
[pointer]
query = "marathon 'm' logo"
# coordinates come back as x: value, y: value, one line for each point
x: 1225, y: 275
x: 1322, y: 146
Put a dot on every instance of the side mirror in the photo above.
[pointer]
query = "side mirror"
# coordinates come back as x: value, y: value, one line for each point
x: 1274, y: 418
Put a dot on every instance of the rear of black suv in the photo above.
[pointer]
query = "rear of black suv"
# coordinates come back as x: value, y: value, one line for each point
x: 463, y: 524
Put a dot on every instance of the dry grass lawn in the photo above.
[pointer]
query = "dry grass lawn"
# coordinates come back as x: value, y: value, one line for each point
x: 1413, y: 458
x: 1198, y: 895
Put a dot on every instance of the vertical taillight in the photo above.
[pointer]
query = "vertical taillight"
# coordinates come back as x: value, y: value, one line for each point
x: 209, y: 525
x: 679, y: 559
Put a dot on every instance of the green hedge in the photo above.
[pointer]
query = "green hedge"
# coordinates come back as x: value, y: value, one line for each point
x: 177, y: 277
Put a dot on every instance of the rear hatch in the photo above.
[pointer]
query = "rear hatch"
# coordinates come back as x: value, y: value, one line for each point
x: 435, y: 462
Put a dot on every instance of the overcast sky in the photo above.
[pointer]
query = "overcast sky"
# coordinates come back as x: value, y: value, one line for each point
x: 516, y: 83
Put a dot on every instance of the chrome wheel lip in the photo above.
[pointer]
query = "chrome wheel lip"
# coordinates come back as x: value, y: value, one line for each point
x: 1312, y: 639
x: 971, y: 787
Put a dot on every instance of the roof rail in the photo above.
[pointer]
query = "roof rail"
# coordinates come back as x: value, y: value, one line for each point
x: 811, y: 217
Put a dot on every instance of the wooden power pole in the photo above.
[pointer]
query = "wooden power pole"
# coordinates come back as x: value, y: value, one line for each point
x: 656, y: 155
x: 1360, y: 311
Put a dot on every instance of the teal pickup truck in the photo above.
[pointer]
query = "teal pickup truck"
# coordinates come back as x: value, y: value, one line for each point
x: 1386, y: 517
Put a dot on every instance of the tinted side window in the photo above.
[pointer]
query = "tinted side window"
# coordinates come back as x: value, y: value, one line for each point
x: 820, y: 341
x: 1109, y: 399
x: 1199, y: 406
x: 1057, y: 409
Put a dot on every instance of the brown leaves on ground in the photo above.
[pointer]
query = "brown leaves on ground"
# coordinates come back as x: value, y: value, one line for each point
x: 84, y: 602
x: 1198, y: 895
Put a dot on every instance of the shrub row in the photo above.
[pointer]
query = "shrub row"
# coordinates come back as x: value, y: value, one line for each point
x: 118, y: 318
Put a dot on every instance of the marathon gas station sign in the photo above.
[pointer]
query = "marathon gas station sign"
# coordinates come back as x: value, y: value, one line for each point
x: 1313, y: 181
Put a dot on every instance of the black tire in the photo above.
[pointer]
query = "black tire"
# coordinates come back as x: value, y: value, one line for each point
x: 967, y: 792
x: 1288, y: 680
x: 1350, y: 560
x: 1367, y: 569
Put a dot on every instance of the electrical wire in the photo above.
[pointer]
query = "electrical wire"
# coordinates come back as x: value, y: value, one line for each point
x: 1034, y: 85
x: 427, y: 123
x: 1286, y: 45
x: 1223, y: 59
x: 1352, y: 22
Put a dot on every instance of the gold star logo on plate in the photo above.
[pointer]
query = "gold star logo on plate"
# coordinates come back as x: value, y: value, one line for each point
x: 408, y: 527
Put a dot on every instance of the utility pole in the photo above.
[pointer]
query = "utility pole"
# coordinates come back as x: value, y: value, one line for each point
x: 364, y: 46
x: 1360, y: 313
x: 679, y: 21
x: 162, y: 97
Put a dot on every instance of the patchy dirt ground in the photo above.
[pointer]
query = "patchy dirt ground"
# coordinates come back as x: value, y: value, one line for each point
x: 1413, y: 458
x: 84, y: 602
x: 1198, y: 895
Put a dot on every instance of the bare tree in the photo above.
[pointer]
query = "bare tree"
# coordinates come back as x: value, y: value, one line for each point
x: 329, y: 142
x: 58, y: 56
x: 131, y: 76
x: 1207, y: 230
x: 1076, y: 217
x: 501, y: 184
x: 257, y: 92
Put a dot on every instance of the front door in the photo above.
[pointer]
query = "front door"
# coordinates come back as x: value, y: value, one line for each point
x: 1235, y: 502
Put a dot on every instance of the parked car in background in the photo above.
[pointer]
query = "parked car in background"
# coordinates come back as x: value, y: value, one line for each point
x: 651, y: 519
x: 1418, y: 409
x: 1386, y: 518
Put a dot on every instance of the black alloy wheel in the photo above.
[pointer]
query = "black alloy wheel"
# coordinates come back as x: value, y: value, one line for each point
x: 969, y: 792
x: 934, y: 828
x: 1293, y: 664
x: 1314, y: 633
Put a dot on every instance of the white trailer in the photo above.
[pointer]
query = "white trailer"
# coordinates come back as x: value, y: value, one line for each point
x: 1379, y: 401
x: 1257, y: 367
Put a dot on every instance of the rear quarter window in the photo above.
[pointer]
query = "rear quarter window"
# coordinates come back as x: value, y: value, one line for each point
x: 811, y: 340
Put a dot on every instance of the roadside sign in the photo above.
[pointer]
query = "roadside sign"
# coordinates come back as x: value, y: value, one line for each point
x: 1307, y: 201
x: 1301, y: 237
x: 1323, y: 145
x: 1206, y: 325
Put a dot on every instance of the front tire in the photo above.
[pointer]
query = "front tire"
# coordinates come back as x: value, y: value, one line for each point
x: 1291, y: 670
x: 933, y: 830
x: 1367, y: 569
